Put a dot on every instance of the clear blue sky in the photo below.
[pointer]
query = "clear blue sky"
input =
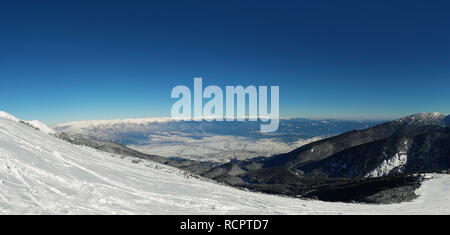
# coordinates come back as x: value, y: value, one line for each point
x: 78, y: 60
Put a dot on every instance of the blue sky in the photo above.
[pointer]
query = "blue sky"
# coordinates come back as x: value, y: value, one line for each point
x: 79, y: 60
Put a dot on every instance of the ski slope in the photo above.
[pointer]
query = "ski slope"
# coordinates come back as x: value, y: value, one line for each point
x: 40, y: 174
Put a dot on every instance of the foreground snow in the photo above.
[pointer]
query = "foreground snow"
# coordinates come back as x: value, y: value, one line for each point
x: 40, y: 174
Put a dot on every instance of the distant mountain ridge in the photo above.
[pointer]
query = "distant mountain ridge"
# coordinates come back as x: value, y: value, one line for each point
x: 124, y: 131
x: 210, y: 141
x: 404, y: 127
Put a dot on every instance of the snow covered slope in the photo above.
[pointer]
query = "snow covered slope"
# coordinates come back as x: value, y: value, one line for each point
x: 40, y: 174
x: 42, y: 127
x: 8, y: 116
x: 37, y: 124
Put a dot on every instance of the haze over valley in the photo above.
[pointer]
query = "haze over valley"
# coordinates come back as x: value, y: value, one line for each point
x: 210, y: 141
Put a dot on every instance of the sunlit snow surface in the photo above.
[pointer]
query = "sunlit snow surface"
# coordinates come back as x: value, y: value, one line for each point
x: 40, y: 174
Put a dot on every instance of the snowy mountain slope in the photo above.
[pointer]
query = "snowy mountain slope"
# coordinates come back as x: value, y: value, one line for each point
x: 35, y: 123
x: 425, y: 152
x: 42, y: 127
x: 8, y: 116
x: 410, y: 126
x: 40, y: 174
x: 424, y: 119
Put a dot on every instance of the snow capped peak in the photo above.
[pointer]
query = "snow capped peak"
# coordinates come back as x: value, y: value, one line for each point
x: 426, y: 115
x: 8, y: 116
x: 42, y: 127
x: 36, y: 124
x: 424, y: 118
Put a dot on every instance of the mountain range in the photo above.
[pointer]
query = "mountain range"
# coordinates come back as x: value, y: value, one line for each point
x: 210, y: 141
x: 380, y: 158
x: 386, y: 152
x: 44, y: 173
x: 415, y: 143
